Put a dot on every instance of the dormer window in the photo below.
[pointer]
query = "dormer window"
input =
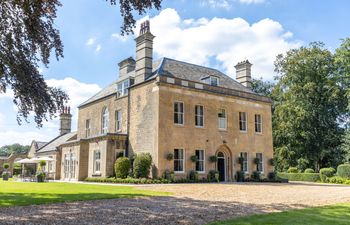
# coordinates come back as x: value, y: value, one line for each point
x: 211, y: 80
x: 122, y: 87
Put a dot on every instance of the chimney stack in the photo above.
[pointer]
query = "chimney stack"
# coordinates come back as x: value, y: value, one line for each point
x: 243, y: 73
x: 144, y: 53
x: 65, y: 120
x: 126, y: 66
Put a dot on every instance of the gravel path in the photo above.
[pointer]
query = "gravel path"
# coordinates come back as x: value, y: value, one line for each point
x: 191, y: 204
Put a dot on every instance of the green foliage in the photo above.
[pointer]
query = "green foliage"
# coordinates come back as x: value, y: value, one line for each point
x: 271, y: 176
x: 310, y: 177
x: 169, y: 175
x: 128, y: 180
x: 240, y: 176
x: 193, y: 176
x: 40, y: 176
x: 170, y: 156
x: 6, y: 166
x: 343, y: 171
x: 255, y: 176
x: 256, y: 161
x: 293, y: 170
x: 194, y: 158
x: 213, y: 176
x: 326, y: 173
x: 337, y: 180
x: 213, y: 158
x: 122, y: 167
x: 42, y: 163
x: 309, y: 100
x: 7, y: 150
x: 142, y: 165
x: 302, y: 164
x: 240, y: 160
x: 309, y: 170
x: 262, y: 87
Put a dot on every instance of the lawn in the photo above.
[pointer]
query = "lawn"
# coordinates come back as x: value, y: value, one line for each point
x: 28, y: 193
x: 333, y: 214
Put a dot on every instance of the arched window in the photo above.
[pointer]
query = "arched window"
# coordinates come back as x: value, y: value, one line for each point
x: 105, y: 120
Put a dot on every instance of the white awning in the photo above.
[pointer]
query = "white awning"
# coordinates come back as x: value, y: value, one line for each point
x: 35, y: 160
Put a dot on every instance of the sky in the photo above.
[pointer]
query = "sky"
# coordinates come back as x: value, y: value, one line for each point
x: 213, y: 33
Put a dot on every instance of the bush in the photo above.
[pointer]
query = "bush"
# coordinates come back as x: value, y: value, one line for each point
x: 326, y: 173
x: 337, y: 180
x: 193, y: 176
x: 122, y: 167
x: 142, y: 165
x: 256, y: 161
x: 169, y: 175
x: 170, y: 156
x: 309, y: 170
x: 213, y: 176
x: 240, y: 160
x: 128, y: 180
x: 271, y: 176
x: 293, y: 170
x: 240, y: 176
x: 6, y: 166
x: 213, y: 158
x: 343, y: 171
x: 194, y: 158
x: 42, y: 163
x: 310, y: 177
x: 272, y: 162
x: 256, y: 176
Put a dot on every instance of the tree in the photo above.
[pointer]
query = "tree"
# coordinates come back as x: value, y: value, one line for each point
x: 307, y: 108
x: 27, y: 39
x: 7, y: 150
x: 262, y: 87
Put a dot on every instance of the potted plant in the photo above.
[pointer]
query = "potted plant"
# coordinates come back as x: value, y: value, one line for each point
x: 256, y: 161
x: 40, y: 175
x: 170, y: 156
x: 194, y: 158
x: 213, y: 158
x: 240, y: 176
x: 5, y: 174
x: 240, y: 160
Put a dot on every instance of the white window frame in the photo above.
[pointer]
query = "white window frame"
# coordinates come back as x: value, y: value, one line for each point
x: 209, y: 80
x: 222, y: 119
x: 95, y: 161
x: 261, y: 162
x: 183, y: 160
x: 122, y: 87
x: 245, y: 161
x: 258, y: 123
x: 105, y: 120
x: 241, y: 121
x: 87, y: 128
x: 200, y: 160
x: 179, y: 113
x: 118, y: 121
x: 198, y: 115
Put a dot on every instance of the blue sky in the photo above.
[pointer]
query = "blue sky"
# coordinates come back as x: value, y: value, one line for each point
x: 212, y: 33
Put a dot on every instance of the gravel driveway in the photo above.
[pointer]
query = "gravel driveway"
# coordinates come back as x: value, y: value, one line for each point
x: 190, y: 204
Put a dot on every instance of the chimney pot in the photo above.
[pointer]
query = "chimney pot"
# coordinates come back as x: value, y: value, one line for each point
x: 65, y: 120
x: 243, y: 73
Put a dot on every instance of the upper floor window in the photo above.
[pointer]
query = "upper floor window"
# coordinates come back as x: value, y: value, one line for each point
x: 212, y: 80
x: 105, y: 120
x: 200, y: 160
x: 97, y: 161
x: 122, y: 87
x: 118, y: 120
x: 179, y: 113
x: 179, y: 161
x: 242, y: 121
x: 222, y: 119
x: 259, y: 166
x: 258, y: 123
x: 87, y: 128
x: 244, y: 165
x: 199, y: 116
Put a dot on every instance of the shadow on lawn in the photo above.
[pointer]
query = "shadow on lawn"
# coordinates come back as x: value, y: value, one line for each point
x: 143, y: 210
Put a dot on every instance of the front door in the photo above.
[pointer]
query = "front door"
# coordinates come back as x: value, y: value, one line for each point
x: 69, y: 166
x: 221, y: 166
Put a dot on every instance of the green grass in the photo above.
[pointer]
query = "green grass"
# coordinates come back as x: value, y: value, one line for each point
x: 333, y: 214
x: 29, y: 193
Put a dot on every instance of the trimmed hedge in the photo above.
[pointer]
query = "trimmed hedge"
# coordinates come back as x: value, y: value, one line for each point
x: 128, y: 180
x: 142, y: 165
x: 343, y: 171
x: 293, y: 170
x: 310, y: 177
x: 326, y: 173
x: 309, y: 170
x: 337, y: 180
x: 122, y: 167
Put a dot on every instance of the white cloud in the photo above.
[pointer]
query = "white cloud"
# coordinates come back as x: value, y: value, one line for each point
x: 119, y: 37
x: 90, y: 41
x: 224, y: 4
x: 24, y: 138
x: 98, y: 48
x: 221, y: 41
x: 251, y: 1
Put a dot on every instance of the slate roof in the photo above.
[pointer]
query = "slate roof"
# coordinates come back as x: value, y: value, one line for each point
x: 54, y: 143
x: 40, y: 144
x: 177, y: 69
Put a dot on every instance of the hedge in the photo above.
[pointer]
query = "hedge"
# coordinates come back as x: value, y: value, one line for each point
x: 122, y: 167
x: 310, y: 177
x: 337, y: 180
x: 142, y: 165
x: 293, y: 170
x: 343, y: 171
x: 127, y: 180
x: 309, y: 170
x: 326, y: 173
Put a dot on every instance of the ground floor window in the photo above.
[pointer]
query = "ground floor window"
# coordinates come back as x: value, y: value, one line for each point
x: 244, y: 165
x: 200, y: 160
x: 97, y: 161
x: 179, y: 160
x: 259, y: 166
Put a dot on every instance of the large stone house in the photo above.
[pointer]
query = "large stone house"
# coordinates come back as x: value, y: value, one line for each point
x: 167, y: 106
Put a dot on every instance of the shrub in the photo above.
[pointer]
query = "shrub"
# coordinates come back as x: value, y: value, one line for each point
x: 272, y: 162
x: 256, y: 161
x: 142, y: 165
x: 240, y: 160
x: 122, y: 167
x: 42, y: 163
x: 310, y: 177
x: 40, y: 176
x: 213, y: 158
x: 336, y: 180
x: 271, y: 176
x: 170, y: 156
x: 213, y: 176
x: 293, y: 170
x: 256, y: 176
x: 194, y: 158
x: 193, y: 175
x: 343, y: 171
x: 128, y: 180
x: 168, y: 175
x: 326, y: 173
x: 6, y: 166
x: 309, y: 170
x: 240, y: 176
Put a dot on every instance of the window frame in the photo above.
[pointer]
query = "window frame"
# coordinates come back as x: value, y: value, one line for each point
x: 95, y: 161
x: 183, y: 160
x: 261, y: 163
x: 104, y: 123
x: 87, y: 128
x: 219, y: 119
x: 241, y: 122
x: 118, y: 123
x: 245, y: 161
x: 200, y: 160
x: 198, y: 115
x: 124, y: 87
x: 179, y: 113
x: 258, y: 123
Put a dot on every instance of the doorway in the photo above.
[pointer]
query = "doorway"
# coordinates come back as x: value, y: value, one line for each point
x: 69, y: 166
x: 221, y: 166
